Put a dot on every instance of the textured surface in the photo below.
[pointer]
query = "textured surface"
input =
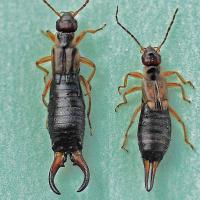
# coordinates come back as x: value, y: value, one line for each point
x: 66, y: 113
x: 154, y: 133
x: 25, y: 144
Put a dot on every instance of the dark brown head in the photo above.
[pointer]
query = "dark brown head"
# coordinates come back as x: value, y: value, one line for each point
x: 151, y: 57
x: 67, y: 23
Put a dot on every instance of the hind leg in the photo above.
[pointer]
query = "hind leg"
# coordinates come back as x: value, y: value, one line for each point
x: 175, y: 114
x: 46, y: 89
x: 137, y: 110
x: 87, y: 88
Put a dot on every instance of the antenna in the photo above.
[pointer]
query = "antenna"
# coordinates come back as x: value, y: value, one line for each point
x: 49, y: 5
x: 169, y: 28
x: 128, y: 30
x: 81, y: 8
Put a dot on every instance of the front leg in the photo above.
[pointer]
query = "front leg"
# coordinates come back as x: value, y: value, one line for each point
x: 81, y: 36
x: 132, y: 74
x: 170, y: 73
x: 49, y: 35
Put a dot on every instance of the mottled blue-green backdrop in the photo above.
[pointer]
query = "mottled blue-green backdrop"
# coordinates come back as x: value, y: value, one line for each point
x: 25, y: 149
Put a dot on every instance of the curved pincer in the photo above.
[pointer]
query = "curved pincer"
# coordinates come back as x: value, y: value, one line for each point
x: 77, y: 159
x: 150, y: 170
x: 59, y: 159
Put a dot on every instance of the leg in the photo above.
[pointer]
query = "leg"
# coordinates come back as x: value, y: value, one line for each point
x: 47, y: 124
x: 49, y: 34
x: 41, y: 61
x: 81, y: 36
x: 87, y: 88
x: 182, y: 90
x: 134, y: 89
x: 132, y: 74
x: 137, y: 110
x: 46, y: 89
x: 88, y: 62
x: 175, y: 114
x: 170, y: 73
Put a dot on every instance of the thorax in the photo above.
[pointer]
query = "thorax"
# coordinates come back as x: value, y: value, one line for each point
x: 66, y: 58
x: 155, y: 93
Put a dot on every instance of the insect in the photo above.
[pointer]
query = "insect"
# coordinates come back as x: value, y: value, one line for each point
x: 154, y: 128
x: 66, y: 107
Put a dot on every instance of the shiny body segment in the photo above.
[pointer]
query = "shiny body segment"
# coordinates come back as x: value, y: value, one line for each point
x: 66, y: 114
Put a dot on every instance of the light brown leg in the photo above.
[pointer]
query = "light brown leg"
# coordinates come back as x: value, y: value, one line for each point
x: 175, y: 114
x: 81, y: 36
x: 137, y: 110
x: 132, y: 74
x: 87, y: 88
x: 182, y: 90
x: 46, y: 89
x: 170, y: 73
x: 134, y: 89
x: 50, y: 35
x: 42, y: 61
x: 88, y: 62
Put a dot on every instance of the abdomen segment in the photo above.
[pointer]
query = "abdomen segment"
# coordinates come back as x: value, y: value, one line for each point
x: 66, y: 120
x: 154, y: 135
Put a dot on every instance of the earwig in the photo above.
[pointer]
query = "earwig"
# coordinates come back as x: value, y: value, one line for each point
x: 154, y: 128
x: 66, y: 107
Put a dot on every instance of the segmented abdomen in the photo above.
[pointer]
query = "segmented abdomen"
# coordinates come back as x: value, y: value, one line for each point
x: 154, y: 133
x: 66, y: 113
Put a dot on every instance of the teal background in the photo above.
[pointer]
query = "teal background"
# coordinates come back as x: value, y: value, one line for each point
x: 25, y: 149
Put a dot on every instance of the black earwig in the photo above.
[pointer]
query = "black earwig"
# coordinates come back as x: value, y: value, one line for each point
x: 154, y: 128
x: 66, y: 107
